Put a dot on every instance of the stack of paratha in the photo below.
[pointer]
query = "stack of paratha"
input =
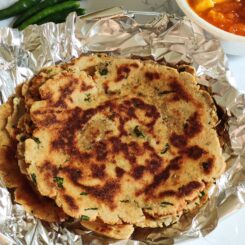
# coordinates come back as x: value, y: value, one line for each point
x: 117, y: 143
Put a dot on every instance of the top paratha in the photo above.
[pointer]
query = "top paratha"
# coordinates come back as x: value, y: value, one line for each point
x: 122, y: 137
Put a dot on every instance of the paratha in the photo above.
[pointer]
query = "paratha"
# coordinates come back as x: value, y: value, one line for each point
x: 122, y: 231
x: 132, y: 135
x: 115, y: 142
x: 25, y: 195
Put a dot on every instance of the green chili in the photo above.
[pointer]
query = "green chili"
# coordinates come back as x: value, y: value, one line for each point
x: 61, y: 16
x: 52, y: 10
x: 17, y: 8
x: 35, y: 9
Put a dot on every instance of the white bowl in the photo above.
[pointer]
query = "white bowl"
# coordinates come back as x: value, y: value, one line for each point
x: 232, y: 44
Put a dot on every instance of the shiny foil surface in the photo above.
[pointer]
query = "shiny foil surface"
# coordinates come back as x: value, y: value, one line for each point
x: 168, y: 39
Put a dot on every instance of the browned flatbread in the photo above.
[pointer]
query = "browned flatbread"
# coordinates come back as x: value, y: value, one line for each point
x: 43, y: 208
x: 122, y: 231
x: 132, y: 139
x: 116, y: 142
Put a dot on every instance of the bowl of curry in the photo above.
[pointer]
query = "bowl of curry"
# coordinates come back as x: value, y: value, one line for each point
x: 225, y: 19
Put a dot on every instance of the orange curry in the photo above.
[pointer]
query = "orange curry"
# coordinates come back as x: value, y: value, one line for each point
x: 228, y: 15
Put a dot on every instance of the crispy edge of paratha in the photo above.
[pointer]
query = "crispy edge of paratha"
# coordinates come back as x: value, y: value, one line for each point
x: 120, y: 232
x: 42, y: 208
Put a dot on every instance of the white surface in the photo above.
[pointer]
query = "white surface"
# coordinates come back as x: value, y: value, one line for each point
x: 231, y: 230
x: 6, y: 3
x: 237, y: 66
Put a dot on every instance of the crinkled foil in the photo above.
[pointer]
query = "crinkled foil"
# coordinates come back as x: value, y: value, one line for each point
x: 167, y: 39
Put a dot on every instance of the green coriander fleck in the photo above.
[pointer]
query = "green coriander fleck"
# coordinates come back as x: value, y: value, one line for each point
x: 164, y: 204
x: 165, y: 148
x: 112, y: 116
x: 202, y: 194
x: 87, y: 97
x: 67, y: 159
x: 138, y: 133
x: 59, y: 181
x: 147, y: 208
x: 34, y: 178
x: 36, y: 140
x: 181, y: 69
x: 84, y: 218
x: 125, y: 201
x: 22, y: 138
x: 103, y: 71
x: 165, y: 92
